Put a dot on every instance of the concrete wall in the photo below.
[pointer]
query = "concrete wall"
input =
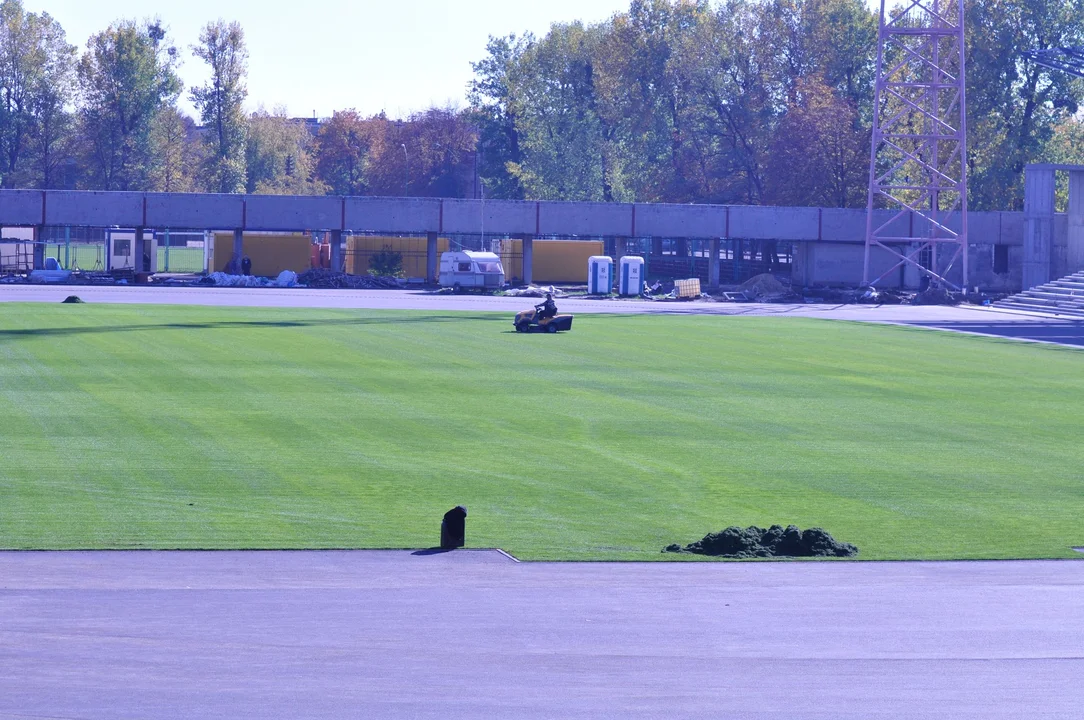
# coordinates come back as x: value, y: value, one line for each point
x: 200, y: 211
x: 585, y: 219
x: 391, y: 215
x: 475, y: 217
x: 419, y: 216
x: 679, y: 221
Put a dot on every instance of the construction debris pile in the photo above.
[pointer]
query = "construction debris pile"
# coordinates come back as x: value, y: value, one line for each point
x: 322, y: 278
x: 776, y: 541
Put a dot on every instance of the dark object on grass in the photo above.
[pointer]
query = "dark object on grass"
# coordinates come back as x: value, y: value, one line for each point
x: 776, y: 541
x: 453, y: 529
x: 72, y: 299
x: 246, y: 265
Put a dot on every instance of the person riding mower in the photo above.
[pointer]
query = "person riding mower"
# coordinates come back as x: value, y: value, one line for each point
x: 544, y: 316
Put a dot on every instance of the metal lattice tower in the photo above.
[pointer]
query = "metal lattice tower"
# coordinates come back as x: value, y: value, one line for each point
x: 918, y: 168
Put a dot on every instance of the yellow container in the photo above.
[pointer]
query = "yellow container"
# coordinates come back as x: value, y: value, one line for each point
x: 555, y: 261
x: 359, y: 250
x: 687, y: 288
x: 270, y: 253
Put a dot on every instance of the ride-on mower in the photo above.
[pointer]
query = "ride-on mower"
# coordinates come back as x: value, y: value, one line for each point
x: 527, y: 321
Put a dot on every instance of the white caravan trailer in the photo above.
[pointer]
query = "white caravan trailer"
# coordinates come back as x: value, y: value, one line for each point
x: 467, y: 269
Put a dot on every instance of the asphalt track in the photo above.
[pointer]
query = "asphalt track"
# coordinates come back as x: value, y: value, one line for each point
x: 472, y: 634
x: 89, y: 635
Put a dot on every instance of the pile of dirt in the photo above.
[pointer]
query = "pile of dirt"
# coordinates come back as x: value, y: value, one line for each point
x: 71, y: 299
x: 776, y: 541
x: 936, y: 296
x: 321, y: 278
x: 764, y: 285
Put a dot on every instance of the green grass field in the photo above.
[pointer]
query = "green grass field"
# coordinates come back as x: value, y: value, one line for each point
x: 190, y: 427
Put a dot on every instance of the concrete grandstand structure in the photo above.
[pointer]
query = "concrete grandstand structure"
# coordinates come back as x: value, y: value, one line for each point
x: 828, y: 243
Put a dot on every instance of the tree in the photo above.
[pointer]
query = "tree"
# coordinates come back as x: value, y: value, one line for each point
x: 343, y: 148
x: 176, y: 145
x: 819, y: 156
x: 1014, y: 104
x: 278, y: 156
x: 220, y: 103
x: 430, y: 154
x: 36, y: 89
x: 495, y: 113
x: 126, y: 77
x: 561, y: 136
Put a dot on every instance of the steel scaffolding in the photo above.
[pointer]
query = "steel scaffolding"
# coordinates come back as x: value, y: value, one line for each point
x: 918, y: 168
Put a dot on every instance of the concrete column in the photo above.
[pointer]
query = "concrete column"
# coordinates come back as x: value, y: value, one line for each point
x: 800, y: 262
x: 656, y: 247
x: 1075, y: 252
x: 713, y: 264
x: 336, y: 240
x: 238, y: 252
x: 683, y: 248
x: 39, y: 248
x: 912, y: 276
x: 528, y: 260
x: 431, y: 257
x: 140, y: 249
x: 621, y: 249
x: 1038, y: 226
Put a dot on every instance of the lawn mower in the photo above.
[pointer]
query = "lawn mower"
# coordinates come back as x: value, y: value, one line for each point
x: 527, y: 321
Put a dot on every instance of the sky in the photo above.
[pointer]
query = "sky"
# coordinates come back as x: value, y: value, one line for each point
x: 317, y: 56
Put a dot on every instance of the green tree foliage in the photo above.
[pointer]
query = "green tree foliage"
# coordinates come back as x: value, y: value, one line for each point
x: 561, y: 136
x: 279, y: 156
x: 221, y: 105
x: 176, y: 147
x: 1014, y: 105
x: 496, y: 115
x: 36, y: 91
x: 126, y: 77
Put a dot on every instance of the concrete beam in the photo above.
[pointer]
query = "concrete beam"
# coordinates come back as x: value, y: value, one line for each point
x: 392, y: 215
x: 713, y: 264
x: 22, y: 208
x: 493, y: 217
x: 687, y: 221
x: 196, y: 211
x: 774, y: 223
x: 431, y: 257
x: 94, y: 209
x: 234, y: 265
x: 292, y: 213
x: 336, y: 242
x: 528, y: 260
x: 139, y: 251
x: 585, y: 219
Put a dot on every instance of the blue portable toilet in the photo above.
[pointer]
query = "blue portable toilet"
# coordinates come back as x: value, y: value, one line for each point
x: 632, y: 275
x: 600, y: 275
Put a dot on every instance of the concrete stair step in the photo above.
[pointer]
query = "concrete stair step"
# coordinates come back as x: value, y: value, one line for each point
x: 1066, y: 298
x: 1039, y: 307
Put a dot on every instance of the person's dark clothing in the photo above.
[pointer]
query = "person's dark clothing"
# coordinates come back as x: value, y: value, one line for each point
x: 547, y: 309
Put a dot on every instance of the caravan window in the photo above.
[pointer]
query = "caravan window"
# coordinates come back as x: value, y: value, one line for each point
x: 464, y: 267
x: 490, y: 267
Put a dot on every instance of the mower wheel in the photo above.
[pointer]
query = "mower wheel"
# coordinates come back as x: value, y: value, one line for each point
x: 523, y: 327
x: 551, y: 328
